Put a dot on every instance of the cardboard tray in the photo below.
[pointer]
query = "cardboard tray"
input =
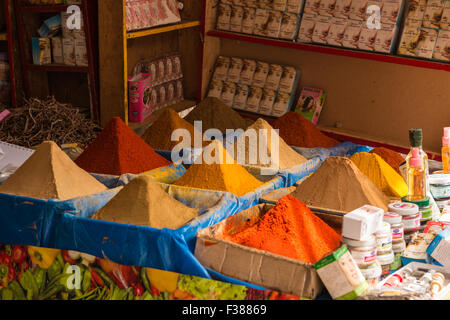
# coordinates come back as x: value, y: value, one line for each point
x: 255, y: 266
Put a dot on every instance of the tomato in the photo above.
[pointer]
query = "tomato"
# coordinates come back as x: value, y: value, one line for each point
x: 19, y: 254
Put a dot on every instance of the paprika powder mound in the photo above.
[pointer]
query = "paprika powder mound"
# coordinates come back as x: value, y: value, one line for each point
x: 159, y: 134
x: 49, y: 173
x: 339, y: 185
x: 225, y: 175
x: 381, y: 174
x: 215, y: 114
x: 118, y: 150
x: 289, y: 229
x: 297, y: 131
x: 393, y: 158
x: 143, y: 202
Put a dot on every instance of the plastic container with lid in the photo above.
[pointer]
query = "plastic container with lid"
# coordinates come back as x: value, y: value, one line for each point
x: 425, y: 209
x: 384, y: 238
x: 372, y: 274
x: 440, y: 186
x: 410, y: 217
x: 395, y: 220
x: 385, y: 261
x: 398, y: 247
x: 364, y: 252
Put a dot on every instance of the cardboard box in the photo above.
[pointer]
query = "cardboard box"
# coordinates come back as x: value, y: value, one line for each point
x: 140, y: 99
x: 57, y: 50
x: 248, y: 20
x: 289, y: 26
x: 439, y: 249
x: 240, y: 99
x: 310, y: 103
x: 336, y: 32
x: 255, y: 266
x: 81, y: 57
x: 237, y: 14
x: 307, y: 25
x: 342, y: 8
x: 362, y: 222
x: 442, y: 48
x: 417, y: 248
x: 41, y: 51
x: 224, y: 17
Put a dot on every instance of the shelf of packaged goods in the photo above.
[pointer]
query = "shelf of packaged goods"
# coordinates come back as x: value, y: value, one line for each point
x: 45, y: 8
x: 3, y: 36
x: 157, y: 30
x: 178, y: 107
x: 58, y: 68
x: 415, y: 62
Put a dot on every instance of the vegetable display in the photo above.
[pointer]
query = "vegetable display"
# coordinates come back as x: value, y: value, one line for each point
x: 32, y: 273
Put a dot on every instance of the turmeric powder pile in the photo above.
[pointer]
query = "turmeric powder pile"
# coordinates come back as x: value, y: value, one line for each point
x: 225, y: 175
x: 381, y: 174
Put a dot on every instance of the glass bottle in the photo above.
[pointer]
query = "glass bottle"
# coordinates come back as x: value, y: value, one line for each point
x: 416, y: 139
x: 416, y: 177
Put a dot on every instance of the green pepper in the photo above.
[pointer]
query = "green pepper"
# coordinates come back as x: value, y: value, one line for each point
x: 60, y: 259
x: 28, y: 282
x: 106, y: 279
x: 86, y: 281
x: 87, y: 295
x: 55, y: 269
x: 147, y: 296
x: 17, y: 289
x: 7, y: 294
x: 64, y: 296
x: 51, y: 292
x: 40, y: 277
x: 145, y: 281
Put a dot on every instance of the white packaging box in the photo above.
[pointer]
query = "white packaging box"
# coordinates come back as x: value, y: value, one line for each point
x: 433, y: 13
x: 445, y: 19
x: 274, y: 77
x: 321, y: 29
x: 367, y: 38
x: 358, y: 9
x: 57, y: 50
x: 426, y: 43
x: 221, y: 68
x: 352, y: 33
x: 260, y: 75
x: 391, y: 10
x: 254, y: 99
x: 362, y: 222
x: 81, y: 57
x: 248, y: 20
x: 261, y: 22
x: 69, y: 51
x: 408, y: 41
x: 294, y: 6
x: 280, y: 5
x: 289, y: 26
x: 307, y: 25
x: 385, y: 38
x: 224, y: 17
x: 442, y: 49
x: 327, y: 8
x: 312, y: 6
x: 248, y: 71
x: 267, y: 102
x: 274, y: 24
x: 215, y: 88
x: 337, y: 30
x: 342, y: 8
x: 235, y: 70
x: 228, y: 92
x: 237, y: 14
x: 281, y: 105
x: 240, y: 99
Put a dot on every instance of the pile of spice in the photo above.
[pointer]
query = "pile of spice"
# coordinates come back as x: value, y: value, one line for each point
x: 118, y: 150
x: 297, y: 131
x: 289, y: 229
x: 393, y: 158
x: 225, y: 175
x: 339, y: 185
x: 159, y: 134
x: 143, y: 202
x: 215, y: 114
x: 50, y: 174
x: 43, y: 120
x: 287, y: 157
x: 381, y: 174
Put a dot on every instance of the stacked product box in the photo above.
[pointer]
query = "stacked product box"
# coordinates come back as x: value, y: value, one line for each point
x: 161, y: 85
x: 62, y: 40
x: 426, y: 31
x: 369, y: 25
x: 273, y: 19
x: 254, y: 86
x: 142, y: 14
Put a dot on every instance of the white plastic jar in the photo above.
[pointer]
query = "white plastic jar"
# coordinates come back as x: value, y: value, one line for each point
x: 384, y: 238
x: 395, y: 220
x: 364, y: 252
x: 372, y: 274
x: 410, y: 217
x: 385, y: 261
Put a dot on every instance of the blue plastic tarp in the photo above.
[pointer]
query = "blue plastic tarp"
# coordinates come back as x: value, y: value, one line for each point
x: 345, y: 149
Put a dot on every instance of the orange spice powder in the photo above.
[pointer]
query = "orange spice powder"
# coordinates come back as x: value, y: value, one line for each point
x: 289, y: 229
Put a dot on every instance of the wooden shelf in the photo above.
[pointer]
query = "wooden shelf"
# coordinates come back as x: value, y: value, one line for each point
x: 45, y: 8
x: 178, y: 107
x: 415, y: 62
x: 162, y: 29
x: 58, y: 68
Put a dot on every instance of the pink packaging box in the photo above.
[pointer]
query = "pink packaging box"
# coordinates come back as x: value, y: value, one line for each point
x: 311, y: 103
x: 140, y: 103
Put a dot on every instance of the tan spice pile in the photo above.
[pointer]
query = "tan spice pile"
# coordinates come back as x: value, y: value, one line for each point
x: 339, y: 185
x: 287, y: 157
x: 50, y: 174
x: 143, y: 202
x: 215, y: 114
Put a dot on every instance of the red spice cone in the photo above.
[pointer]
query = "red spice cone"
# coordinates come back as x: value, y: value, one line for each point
x: 118, y: 150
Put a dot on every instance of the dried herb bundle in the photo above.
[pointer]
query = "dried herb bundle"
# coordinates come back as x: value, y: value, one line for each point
x: 40, y: 120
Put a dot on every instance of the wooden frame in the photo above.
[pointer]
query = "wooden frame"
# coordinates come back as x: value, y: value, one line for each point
x: 37, y: 75
x: 120, y: 50
x: 371, y: 97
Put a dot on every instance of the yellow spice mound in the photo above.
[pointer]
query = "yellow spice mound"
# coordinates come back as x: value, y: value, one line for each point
x: 381, y: 174
x: 227, y: 176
